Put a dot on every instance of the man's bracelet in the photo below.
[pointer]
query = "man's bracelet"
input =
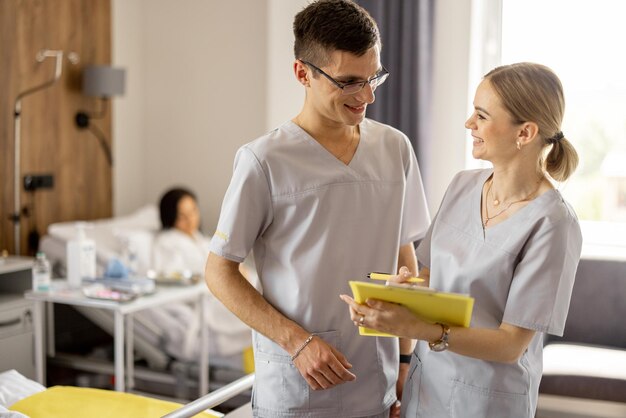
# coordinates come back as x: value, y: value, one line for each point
x: 405, y: 358
x: 304, y: 344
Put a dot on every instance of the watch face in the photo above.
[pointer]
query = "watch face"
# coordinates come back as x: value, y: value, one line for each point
x: 439, y: 346
x: 442, y: 343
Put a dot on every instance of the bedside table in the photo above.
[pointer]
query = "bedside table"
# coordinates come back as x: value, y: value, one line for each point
x: 60, y: 293
x: 16, y: 316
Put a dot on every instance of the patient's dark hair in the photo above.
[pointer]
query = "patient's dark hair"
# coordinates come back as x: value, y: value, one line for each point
x: 168, y: 207
x: 329, y: 25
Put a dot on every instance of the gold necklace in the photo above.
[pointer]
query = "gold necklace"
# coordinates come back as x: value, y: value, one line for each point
x: 496, y: 202
x: 349, y: 145
x: 488, y: 218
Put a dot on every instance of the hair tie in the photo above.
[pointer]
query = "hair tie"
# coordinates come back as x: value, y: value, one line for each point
x: 556, y: 138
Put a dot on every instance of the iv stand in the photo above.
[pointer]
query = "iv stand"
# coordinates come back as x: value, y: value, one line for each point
x: 41, y: 56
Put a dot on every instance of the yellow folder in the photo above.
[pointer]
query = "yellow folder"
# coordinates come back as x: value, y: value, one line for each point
x: 431, y: 305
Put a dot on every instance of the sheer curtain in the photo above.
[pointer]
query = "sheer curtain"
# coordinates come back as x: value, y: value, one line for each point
x: 406, y: 28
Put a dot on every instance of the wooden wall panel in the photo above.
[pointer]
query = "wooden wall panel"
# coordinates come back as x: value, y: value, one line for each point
x: 51, y: 143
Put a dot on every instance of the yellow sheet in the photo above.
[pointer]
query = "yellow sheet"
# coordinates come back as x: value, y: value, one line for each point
x: 69, y: 402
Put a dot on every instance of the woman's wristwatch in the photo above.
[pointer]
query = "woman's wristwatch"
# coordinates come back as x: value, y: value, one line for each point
x: 442, y: 343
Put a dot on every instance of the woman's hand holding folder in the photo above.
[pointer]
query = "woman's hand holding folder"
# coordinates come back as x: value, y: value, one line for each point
x: 404, y: 309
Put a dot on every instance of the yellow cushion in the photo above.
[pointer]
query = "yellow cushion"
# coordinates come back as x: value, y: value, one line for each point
x: 69, y: 401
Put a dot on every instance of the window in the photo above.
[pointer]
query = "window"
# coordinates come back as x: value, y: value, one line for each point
x: 582, y: 41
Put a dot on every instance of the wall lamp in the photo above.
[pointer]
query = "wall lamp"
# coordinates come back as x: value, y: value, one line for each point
x: 103, y: 82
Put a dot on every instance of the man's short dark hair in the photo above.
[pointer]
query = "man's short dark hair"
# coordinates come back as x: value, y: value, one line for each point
x: 329, y: 25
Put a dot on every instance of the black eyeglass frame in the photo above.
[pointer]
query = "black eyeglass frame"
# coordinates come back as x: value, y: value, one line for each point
x: 378, y: 79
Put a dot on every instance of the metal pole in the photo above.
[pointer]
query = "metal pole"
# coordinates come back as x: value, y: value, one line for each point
x: 16, y: 217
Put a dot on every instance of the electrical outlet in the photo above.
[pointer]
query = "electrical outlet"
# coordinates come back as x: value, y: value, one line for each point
x: 33, y: 182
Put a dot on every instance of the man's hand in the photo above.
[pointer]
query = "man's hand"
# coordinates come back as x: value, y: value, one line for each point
x: 322, y: 365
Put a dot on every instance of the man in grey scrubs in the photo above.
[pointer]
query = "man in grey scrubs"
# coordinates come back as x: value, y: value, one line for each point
x: 325, y: 198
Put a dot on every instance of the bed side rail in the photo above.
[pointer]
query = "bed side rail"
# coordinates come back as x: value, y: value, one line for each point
x: 214, y: 398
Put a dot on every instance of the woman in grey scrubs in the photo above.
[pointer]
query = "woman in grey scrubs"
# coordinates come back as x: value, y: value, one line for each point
x: 508, y: 238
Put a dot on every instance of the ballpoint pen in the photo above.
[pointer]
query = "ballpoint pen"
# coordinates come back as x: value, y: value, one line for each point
x: 385, y: 276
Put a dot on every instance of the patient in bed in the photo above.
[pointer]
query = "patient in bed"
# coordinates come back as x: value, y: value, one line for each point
x: 181, y: 247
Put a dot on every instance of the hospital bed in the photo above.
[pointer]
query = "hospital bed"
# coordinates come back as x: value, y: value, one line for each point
x: 21, y: 397
x: 155, y: 336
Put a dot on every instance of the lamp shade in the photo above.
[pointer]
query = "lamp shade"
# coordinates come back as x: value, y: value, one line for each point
x: 103, y: 81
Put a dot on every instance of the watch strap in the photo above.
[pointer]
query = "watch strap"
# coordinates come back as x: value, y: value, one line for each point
x: 442, y: 343
x: 405, y: 358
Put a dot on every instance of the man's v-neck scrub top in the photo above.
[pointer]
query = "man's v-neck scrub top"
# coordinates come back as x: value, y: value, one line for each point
x: 520, y: 271
x: 314, y: 223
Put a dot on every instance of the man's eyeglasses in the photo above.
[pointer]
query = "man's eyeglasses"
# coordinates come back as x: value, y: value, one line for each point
x: 353, y: 87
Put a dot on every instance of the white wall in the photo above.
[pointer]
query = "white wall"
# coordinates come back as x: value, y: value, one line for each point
x: 447, y: 150
x: 197, y: 90
x: 129, y: 182
x: 206, y: 76
x: 285, y: 95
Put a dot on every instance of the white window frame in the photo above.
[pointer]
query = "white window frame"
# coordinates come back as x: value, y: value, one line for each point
x: 485, y: 54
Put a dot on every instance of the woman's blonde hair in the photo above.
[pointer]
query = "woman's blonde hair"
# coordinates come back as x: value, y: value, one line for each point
x: 533, y: 92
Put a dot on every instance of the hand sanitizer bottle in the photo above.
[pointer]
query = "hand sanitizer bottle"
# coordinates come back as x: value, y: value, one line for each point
x: 41, y: 273
x: 81, y: 257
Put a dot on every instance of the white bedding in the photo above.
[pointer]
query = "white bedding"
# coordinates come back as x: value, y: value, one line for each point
x: 5, y: 413
x: 110, y: 235
x: 14, y: 387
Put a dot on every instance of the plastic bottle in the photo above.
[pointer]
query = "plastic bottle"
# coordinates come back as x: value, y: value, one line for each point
x: 129, y: 257
x: 81, y: 257
x: 41, y: 273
